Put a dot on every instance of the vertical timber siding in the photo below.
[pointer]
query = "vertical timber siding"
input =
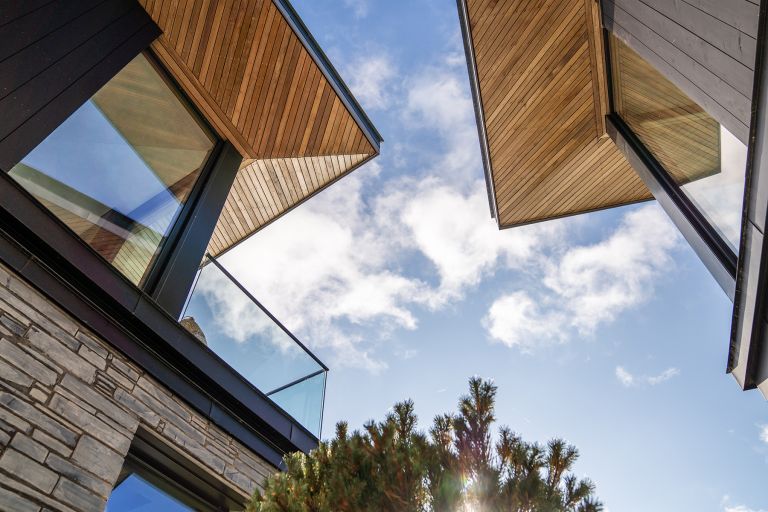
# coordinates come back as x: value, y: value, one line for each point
x: 54, y: 56
x: 705, y: 47
x: 70, y: 406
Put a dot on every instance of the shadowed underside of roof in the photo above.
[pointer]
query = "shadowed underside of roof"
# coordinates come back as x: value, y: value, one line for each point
x: 259, y: 78
x: 540, y: 91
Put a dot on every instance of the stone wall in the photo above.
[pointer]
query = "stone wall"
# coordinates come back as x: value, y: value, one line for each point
x: 70, y: 406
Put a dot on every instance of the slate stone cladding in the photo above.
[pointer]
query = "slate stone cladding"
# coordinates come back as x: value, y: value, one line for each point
x: 70, y: 406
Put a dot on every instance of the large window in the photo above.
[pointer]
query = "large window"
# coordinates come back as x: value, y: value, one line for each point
x: 701, y: 156
x: 119, y: 169
x: 156, y: 478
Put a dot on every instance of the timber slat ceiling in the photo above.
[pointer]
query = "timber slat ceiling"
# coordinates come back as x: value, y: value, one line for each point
x: 248, y: 72
x: 539, y: 66
x: 279, y: 184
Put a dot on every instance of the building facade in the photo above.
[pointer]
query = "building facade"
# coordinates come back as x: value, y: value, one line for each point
x: 589, y: 104
x: 139, y: 140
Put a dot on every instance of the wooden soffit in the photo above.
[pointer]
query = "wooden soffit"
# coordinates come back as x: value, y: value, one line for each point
x: 538, y: 80
x: 257, y: 75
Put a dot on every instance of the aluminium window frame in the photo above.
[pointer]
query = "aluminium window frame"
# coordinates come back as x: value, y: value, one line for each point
x: 160, y: 262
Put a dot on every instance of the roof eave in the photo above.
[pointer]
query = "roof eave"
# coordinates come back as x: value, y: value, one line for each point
x: 330, y: 73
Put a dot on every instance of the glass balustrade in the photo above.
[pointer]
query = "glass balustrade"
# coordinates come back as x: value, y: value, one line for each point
x: 222, y: 314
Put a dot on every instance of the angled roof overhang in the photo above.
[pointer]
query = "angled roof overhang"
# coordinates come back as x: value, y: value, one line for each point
x: 256, y: 73
x: 537, y: 73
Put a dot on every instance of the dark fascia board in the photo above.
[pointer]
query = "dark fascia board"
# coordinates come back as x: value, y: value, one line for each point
x: 748, y: 350
x: 575, y: 214
x: 72, y: 275
x: 477, y: 101
x: 330, y: 73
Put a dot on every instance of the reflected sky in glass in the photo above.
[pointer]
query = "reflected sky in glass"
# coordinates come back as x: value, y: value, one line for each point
x: 89, y: 155
x: 700, y: 155
x: 119, y: 169
x: 134, y: 494
x: 720, y: 196
x: 238, y: 331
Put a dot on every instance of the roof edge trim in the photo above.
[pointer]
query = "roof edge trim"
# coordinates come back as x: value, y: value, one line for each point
x: 477, y: 101
x: 330, y: 72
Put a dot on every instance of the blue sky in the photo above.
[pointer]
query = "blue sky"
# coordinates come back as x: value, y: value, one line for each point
x: 603, y: 329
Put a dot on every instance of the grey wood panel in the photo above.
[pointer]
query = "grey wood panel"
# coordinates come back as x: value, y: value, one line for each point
x: 740, y: 14
x: 50, y: 68
x: 729, y: 39
x: 726, y: 104
x: 691, y: 43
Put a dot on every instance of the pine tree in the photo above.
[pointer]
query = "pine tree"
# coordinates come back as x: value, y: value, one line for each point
x: 390, y: 466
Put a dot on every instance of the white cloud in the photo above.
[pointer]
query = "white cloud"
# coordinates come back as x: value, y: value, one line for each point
x: 371, y: 81
x: 516, y: 320
x: 627, y: 379
x: 319, y: 267
x: 334, y: 267
x: 438, y: 101
x: 454, y: 231
x: 764, y: 433
x: 589, y: 285
x: 599, y: 281
x: 360, y: 8
x: 727, y: 507
x: 663, y: 376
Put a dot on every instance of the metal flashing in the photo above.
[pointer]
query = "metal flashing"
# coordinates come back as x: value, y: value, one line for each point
x: 477, y: 101
x: 329, y: 71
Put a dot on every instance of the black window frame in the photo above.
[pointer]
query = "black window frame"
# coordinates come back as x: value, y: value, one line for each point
x: 161, y: 261
x: 171, y: 472
x: 705, y: 239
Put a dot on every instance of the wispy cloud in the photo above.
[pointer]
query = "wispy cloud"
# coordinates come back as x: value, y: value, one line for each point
x: 663, y: 376
x: 764, y: 433
x: 372, y: 80
x: 728, y: 507
x: 438, y: 102
x: 517, y: 320
x: 627, y: 379
x: 587, y: 285
x: 742, y: 508
x: 360, y: 8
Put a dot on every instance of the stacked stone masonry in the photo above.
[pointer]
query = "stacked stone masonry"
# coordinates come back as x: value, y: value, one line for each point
x: 70, y: 405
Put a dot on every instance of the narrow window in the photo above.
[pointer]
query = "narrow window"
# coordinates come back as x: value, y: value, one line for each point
x: 119, y: 169
x: 704, y: 159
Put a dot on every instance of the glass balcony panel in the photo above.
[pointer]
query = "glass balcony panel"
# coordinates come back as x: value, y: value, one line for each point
x: 304, y: 401
x: 701, y: 156
x: 240, y: 331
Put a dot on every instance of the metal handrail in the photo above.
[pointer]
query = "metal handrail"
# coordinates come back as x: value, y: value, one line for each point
x: 297, y: 381
x: 266, y: 311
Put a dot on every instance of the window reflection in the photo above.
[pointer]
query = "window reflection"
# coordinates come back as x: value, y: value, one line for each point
x: 119, y: 169
x: 134, y: 494
x: 706, y: 160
